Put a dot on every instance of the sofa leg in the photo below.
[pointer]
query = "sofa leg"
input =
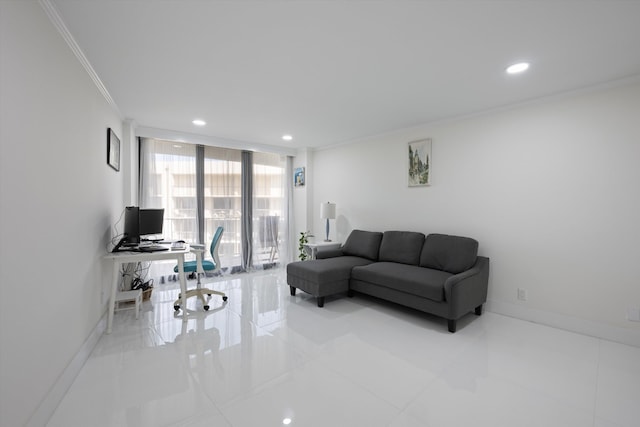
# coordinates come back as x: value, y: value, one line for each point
x: 451, y: 323
x: 479, y: 310
x: 320, y: 301
x: 292, y: 290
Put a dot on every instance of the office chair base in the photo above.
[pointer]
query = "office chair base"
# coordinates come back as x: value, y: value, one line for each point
x: 200, y: 293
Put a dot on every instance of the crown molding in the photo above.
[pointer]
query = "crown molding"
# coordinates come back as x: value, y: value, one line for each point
x: 214, y: 141
x: 56, y: 20
x: 420, y: 127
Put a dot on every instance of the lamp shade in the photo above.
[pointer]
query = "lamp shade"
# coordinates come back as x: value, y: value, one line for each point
x: 328, y: 210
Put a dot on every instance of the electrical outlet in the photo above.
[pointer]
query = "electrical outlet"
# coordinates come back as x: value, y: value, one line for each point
x: 633, y: 314
x: 523, y: 295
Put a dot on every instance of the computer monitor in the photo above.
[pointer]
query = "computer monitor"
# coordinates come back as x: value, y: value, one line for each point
x: 151, y: 221
x: 131, y: 226
x: 138, y: 223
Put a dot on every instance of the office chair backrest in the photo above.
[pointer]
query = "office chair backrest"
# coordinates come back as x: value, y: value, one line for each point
x: 215, y: 243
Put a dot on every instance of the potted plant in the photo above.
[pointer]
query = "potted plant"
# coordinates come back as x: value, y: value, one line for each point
x: 304, y: 239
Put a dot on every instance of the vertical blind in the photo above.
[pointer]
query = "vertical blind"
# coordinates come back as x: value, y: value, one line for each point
x: 203, y: 187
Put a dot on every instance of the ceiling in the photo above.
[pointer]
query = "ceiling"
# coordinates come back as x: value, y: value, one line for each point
x: 330, y: 72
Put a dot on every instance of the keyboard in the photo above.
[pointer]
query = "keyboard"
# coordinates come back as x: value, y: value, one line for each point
x: 152, y: 248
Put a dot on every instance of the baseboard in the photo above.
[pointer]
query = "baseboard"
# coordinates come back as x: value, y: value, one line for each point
x: 561, y: 321
x: 51, y: 401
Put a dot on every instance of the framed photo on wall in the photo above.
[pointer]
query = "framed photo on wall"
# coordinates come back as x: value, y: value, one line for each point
x: 419, y: 166
x: 113, y: 150
x: 298, y: 177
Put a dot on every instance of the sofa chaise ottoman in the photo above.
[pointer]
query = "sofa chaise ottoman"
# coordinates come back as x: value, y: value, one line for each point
x: 328, y: 276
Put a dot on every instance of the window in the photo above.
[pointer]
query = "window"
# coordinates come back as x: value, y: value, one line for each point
x: 169, y: 179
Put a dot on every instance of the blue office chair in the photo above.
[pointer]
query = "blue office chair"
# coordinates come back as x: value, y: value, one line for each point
x: 206, y: 266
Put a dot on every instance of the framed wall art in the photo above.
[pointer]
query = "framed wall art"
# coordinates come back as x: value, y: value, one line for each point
x: 113, y: 150
x: 419, y: 166
x: 298, y: 177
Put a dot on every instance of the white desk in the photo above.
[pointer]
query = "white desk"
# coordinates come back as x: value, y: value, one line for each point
x: 120, y: 258
x: 313, y: 248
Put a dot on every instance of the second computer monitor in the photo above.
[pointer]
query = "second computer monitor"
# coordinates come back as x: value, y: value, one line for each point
x: 151, y: 221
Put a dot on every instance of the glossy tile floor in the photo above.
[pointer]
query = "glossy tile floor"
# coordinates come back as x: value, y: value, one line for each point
x: 266, y: 358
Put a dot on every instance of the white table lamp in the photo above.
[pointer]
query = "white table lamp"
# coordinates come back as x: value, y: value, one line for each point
x: 327, y: 211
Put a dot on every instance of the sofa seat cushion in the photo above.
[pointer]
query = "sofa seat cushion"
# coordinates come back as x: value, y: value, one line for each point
x: 325, y: 270
x: 414, y: 280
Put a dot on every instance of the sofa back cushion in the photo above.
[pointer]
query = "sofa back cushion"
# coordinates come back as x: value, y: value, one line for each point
x: 453, y: 254
x: 401, y: 246
x: 364, y: 244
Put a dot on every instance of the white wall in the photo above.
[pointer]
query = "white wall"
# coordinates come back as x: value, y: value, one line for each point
x: 302, y: 198
x: 58, y: 201
x: 551, y: 191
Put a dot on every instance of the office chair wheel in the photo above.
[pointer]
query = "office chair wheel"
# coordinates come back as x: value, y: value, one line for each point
x: 176, y: 307
x: 206, y: 307
x: 224, y: 298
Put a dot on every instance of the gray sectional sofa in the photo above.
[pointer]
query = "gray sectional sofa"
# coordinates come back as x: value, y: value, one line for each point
x: 438, y: 274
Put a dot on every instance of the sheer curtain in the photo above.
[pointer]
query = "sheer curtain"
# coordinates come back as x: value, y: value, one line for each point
x: 222, y: 202
x: 270, y: 210
x: 168, y: 180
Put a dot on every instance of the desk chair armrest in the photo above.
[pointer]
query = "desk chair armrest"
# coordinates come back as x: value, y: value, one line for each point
x: 198, y: 249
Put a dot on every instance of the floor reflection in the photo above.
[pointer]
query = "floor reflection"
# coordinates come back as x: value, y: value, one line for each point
x: 264, y: 356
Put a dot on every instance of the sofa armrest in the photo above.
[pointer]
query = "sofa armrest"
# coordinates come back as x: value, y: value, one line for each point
x: 467, y: 290
x: 329, y: 253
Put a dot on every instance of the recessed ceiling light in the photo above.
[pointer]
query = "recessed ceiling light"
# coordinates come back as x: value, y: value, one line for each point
x: 518, y: 68
x: 287, y: 137
x: 199, y: 122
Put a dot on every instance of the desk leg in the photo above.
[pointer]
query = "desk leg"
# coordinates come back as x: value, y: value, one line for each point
x: 112, y: 298
x: 183, y: 283
x: 199, y: 268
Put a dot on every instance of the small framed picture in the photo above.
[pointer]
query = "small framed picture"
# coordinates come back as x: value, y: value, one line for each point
x: 298, y: 177
x: 113, y: 150
x: 419, y: 172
